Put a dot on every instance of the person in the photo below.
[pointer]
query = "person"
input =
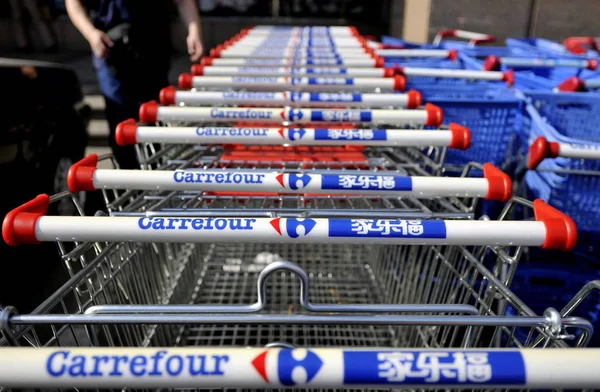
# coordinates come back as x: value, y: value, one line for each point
x: 131, y: 45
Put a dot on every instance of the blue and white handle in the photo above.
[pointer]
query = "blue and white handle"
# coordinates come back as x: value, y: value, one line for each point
x: 273, y: 83
x: 151, y: 112
x: 170, y: 96
x: 28, y: 224
x: 292, y: 62
x: 319, y: 368
x: 217, y: 70
x: 85, y: 176
x: 457, y: 136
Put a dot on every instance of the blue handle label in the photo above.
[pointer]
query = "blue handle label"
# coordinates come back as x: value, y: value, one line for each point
x: 328, y: 71
x: 331, y: 81
x: 430, y: 367
x: 341, y: 115
x: 335, y: 97
x: 324, y: 62
x: 366, y: 182
x: 390, y: 228
x: 350, y: 134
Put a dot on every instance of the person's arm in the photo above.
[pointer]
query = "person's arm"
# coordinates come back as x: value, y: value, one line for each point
x: 98, y: 40
x: 189, y: 14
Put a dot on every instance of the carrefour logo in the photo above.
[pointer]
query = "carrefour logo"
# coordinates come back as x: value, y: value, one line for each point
x: 294, y: 181
x: 292, y: 227
x: 295, y: 114
x: 292, y: 134
x: 293, y: 366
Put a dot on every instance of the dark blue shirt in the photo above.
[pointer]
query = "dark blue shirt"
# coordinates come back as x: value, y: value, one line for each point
x: 150, y: 19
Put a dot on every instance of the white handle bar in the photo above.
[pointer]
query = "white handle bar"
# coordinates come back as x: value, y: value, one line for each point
x: 457, y: 136
x: 323, y: 368
x: 290, y: 53
x: 407, y: 53
x: 170, y: 96
x: 541, y: 148
x: 29, y: 224
x: 187, y: 81
x: 474, y: 38
x: 216, y: 70
x: 507, y: 76
x: 151, y: 112
x: 275, y: 62
x: 85, y: 176
x: 493, y: 63
x: 295, y: 42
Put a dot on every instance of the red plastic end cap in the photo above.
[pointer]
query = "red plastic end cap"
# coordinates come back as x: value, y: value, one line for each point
x: 206, y: 60
x: 461, y: 137
x: 388, y: 72
x: 509, y: 77
x: 491, y: 63
x: 499, y: 183
x: 81, y: 174
x: 453, y: 54
x: 149, y: 112
x: 541, y: 149
x: 185, y: 81
x: 353, y: 30
x: 561, y: 231
x: 215, y: 52
x: 435, y: 115
x: 399, y: 83
x: 197, y: 70
x: 592, y: 64
x: 126, y: 133
x: 167, y: 96
x: 18, y: 227
x: 572, y: 84
x: 379, y: 62
x: 415, y: 99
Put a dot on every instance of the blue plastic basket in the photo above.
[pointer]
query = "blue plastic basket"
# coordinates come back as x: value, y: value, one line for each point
x: 567, y: 118
x: 492, y: 113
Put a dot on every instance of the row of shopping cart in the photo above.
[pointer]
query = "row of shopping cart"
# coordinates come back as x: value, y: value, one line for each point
x: 300, y: 222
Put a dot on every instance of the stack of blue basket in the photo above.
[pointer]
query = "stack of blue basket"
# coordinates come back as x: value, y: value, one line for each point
x: 505, y: 121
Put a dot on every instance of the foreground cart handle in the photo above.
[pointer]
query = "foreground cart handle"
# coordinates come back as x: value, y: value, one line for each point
x: 456, y: 136
x: 171, y: 96
x: 151, y: 112
x: 541, y: 149
x: 474, y: 38
x: 187, y: 81
x: 84, y: 176
x: 326, y: 368
x: 28, y: 224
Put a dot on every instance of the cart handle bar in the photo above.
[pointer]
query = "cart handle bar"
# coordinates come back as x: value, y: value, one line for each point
x: 152, y: 112
x: 474, y: 38
x: 574, y: 84
x: 28, y: 224
x: 506, y: 76
x: 322, y: 368
x: 170, y: 96
x: 377, y: 61
x: 541, y: 149
x: 456, y: 136
x: 85, y: 176
x: 494, y: 63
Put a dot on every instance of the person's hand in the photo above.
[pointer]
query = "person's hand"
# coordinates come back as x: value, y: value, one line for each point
x: 100, y: 43
x: 194, y: 46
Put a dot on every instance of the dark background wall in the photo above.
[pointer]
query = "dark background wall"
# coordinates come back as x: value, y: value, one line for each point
x: 552, y: 19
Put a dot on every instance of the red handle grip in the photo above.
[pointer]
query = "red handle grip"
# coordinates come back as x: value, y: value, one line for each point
x: 580, y: 45
x: 539, y: 150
